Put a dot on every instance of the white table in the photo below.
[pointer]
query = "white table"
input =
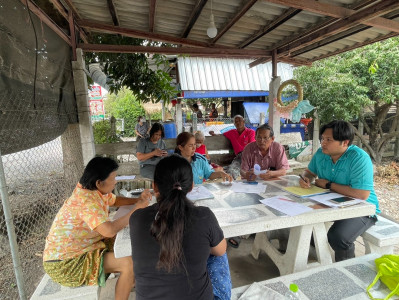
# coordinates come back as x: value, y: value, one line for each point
x: 241, y: 214
x: 344, y: 280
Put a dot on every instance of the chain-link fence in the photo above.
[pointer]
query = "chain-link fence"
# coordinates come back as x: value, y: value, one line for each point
x: 38, y: 182
x: 218, y: 125
x: 39, y: 139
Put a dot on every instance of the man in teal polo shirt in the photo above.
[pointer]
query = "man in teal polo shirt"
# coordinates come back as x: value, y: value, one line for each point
x: 346, y: 169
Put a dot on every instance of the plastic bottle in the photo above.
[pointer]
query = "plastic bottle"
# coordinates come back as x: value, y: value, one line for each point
x: 293, y: 293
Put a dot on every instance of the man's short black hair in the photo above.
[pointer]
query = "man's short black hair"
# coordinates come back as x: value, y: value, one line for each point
x: 342, y: 130
x: 265, y: 127
x: 195, y: 105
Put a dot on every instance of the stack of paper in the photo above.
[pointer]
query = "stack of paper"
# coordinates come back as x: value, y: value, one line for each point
x: 336, y: 200
x: 286, y: 205
x: 199, y: 192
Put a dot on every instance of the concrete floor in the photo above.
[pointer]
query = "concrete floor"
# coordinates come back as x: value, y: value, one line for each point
x: 244, y: 269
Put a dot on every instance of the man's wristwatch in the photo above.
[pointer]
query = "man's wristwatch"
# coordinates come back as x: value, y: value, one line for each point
x: 328, y: 185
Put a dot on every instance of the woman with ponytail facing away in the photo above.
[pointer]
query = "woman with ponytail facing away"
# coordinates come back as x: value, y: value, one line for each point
x: 177, y: 247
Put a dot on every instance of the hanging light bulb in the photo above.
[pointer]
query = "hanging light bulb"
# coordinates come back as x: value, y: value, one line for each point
x: 212, y: 30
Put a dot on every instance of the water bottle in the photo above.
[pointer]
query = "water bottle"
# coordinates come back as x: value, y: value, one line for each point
x: 293, y: 293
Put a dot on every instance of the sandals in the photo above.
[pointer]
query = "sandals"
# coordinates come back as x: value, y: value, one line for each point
x: 234, y: 241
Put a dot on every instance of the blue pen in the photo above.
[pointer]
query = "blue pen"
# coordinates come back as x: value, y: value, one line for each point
x: 251, y: 182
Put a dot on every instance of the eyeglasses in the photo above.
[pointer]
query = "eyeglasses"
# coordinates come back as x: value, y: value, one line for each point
x: 263, y: 138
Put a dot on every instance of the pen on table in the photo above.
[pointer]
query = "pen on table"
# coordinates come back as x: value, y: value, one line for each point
x: 303, y: 178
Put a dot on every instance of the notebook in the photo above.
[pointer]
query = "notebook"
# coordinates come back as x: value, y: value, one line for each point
x: 301, y: 192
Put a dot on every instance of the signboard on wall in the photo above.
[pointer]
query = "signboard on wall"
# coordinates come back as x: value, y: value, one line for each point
x: 97, y: 110
x: 96, y: 102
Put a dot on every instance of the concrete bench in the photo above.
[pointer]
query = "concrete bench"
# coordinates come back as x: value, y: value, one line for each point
x: 343, y: 280
x: 382, y: 237
x: 50, y: 290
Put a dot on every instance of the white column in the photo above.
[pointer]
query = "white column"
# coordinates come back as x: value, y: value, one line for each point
x: 274, y: 115
x: 82, y: 101
x: 179, y: 118
x: 163, y: 110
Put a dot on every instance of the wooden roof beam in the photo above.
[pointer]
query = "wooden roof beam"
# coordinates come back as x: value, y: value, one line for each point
x: 338, y: 12
x: 358, y: 45
x: 337, y: 37
x: 46, y: 20
x: 288, y: 14
x: 112, y: 11
x: 72, y: 7
x: 307, y: 32
x: 242, y: 11
x: 142, y: 34
x: 151, y: 21
x: 370, y: 12
x: 64, y: 12
x: 195, y: 13
x: 219, y: 52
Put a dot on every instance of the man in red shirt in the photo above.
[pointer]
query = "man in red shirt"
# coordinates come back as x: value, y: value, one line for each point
x: 239, y: 137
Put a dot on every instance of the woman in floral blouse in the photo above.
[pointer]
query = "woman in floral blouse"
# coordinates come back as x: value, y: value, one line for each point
x: 79, y: 247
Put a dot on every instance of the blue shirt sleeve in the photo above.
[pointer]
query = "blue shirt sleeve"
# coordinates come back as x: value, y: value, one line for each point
x: 207, y: 168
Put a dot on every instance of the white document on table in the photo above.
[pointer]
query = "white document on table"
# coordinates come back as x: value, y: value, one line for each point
x: 126, y: 177
x: 286, y: 205
x: 199, y: 192
x: 242, y: 187
x: 329, y: 198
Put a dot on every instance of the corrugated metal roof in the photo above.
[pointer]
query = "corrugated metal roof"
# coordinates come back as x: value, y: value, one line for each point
x: 223, y: 74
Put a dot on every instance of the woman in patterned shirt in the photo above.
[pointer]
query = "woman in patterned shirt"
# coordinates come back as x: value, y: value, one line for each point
x: 79, y: 247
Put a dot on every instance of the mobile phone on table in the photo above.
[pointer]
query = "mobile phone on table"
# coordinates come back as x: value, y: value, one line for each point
x: 342, y: 199
x: 251, y: 182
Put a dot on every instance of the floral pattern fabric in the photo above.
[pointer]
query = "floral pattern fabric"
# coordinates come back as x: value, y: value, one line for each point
x: 72, y: 232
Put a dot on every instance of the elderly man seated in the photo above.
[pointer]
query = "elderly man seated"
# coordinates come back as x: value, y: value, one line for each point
x: 272, y: 162
x: 239, y: 138
x: 266, y: 153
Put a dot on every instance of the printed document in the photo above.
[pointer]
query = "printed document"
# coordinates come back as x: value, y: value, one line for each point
x: 126, y: 177
x: 286, y: 205
x: 199, y: 192
x: 244, y: 187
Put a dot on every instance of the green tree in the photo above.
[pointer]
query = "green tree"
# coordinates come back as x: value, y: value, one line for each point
x: 124, y: 105
x: 364, y: 84
x: 133, y: 70
x: 103, y: 134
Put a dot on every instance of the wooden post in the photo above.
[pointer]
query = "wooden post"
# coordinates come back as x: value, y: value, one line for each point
x: 195, y: 120
x: 360, y: 128
x: 225, y: 107
x: 82, y: 101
